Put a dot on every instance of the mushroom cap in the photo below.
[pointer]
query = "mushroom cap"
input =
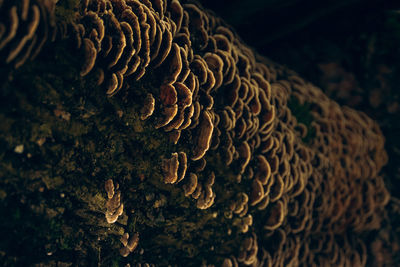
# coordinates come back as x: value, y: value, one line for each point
x: 148, y: 107
x: 191, y: 185
x: 204, y: 136
x: 170, y: 169
x: 109, y: 186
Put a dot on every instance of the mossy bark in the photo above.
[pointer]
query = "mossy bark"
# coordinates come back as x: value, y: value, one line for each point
x: 61, y: 138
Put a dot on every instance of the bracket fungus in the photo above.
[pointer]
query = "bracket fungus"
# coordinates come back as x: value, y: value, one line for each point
x: 174, y: 168
x: 114, y: 206
x: 204, y: 136
x: 148, y: 107
x: 224, y: 98
x: 25, y: 26
x: 129, y: 244
x: 191, y: 185
x: 196, y: 88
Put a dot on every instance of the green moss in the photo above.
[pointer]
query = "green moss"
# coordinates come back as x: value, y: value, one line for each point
x: 53, y: 182
x: 77, y: 128
x: 39, y: 130
x: 18, y: 224
x: 302, y: 112
x: 65, y: 10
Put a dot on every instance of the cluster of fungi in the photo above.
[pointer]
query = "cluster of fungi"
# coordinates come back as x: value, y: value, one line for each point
x: 227, y: 111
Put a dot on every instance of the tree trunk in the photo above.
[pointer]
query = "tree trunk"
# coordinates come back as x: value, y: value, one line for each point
x: 186, y: 152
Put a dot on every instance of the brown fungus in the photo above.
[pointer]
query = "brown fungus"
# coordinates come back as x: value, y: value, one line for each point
x: 182, y: 166
x: 29, y: 35
x: 206, y: 197
x: 248, y: 251
x: 230, y: 262
x: 231, y: 110
x: 165, y: 47
x: 204, y: 136
x: 148, y: 107
x: 275, y: 215
x: 24, y: 29
x: 114, y: 208
x: 244, y: 155
x: 243, y: 224
x: 174, y: 63
x: 257, y: 193
x: 168, y: 113
x: 168, y: 95
x: 13, y: 27
x: 129, y: 244
x: 109, y: 186
x: 170, y: 169
x: 215, y: 64
x: 90, y: 56
x: 190, y: 185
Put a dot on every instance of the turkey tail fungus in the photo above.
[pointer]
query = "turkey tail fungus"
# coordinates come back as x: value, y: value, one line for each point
x: 200, y: 134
